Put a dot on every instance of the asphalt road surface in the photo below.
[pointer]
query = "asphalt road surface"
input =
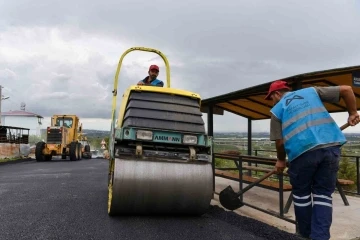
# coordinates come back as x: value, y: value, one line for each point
x: 68, y: 200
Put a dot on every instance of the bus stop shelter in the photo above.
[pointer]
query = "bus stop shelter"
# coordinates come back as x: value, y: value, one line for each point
x: 250, y: 103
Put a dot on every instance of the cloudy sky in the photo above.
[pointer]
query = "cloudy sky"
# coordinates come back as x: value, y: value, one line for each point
x: 61, y: 56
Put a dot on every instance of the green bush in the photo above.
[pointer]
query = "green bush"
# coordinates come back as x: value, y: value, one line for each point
x: 220, y: 148
x: 33, y: 139
x: 223, y: 163
x: 347, y: 170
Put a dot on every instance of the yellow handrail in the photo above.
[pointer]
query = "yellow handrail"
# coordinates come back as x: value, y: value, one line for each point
x: 145, y: 49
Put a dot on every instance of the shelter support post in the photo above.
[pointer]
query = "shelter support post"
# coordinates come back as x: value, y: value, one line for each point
x: 249, y: 143
x: 210, y: 126
x: 358, y: 175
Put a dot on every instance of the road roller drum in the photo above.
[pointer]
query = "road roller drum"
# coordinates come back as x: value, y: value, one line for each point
x: 155, y: 187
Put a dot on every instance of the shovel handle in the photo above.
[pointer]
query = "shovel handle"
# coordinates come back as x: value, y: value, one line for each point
x: 344, y: 126
x: 256, y: 182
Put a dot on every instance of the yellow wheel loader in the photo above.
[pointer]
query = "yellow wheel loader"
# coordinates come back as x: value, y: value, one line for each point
x: 160, y: 158
x: 61, y: 139
x: 85, y: 150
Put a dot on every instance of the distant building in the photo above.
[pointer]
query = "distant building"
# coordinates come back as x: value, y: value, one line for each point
x: 22, y: 119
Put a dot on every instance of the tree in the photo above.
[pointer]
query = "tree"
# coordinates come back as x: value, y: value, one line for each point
x: 347, y: 170
x: 33, y: 139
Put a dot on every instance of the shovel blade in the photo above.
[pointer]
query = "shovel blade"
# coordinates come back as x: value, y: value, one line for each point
x: 229, y: 199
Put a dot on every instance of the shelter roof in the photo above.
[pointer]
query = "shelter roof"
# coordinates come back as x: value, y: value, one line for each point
x: 250, y: 102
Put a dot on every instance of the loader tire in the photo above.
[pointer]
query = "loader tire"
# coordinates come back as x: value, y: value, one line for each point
x: 87, y: 152
x: 87, y: 148
x: 48, y: 157
x: 40, y: 157
x: 73, y: 151
x: 79, y: 151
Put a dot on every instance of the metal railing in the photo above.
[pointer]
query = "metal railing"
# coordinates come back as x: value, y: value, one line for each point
x: 15, y: 135
x: 239, y: 160
x: 355, y: 159
x: 15, y: 139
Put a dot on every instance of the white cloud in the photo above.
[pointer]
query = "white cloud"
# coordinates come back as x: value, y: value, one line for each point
x: 59, y: 57
x: 88, y: 123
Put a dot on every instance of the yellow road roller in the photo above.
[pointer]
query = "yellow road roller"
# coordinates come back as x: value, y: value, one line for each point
x: 159, y: 154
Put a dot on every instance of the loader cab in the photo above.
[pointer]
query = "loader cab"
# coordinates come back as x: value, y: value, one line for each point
x: 64, y: 122
x: 71, y: 122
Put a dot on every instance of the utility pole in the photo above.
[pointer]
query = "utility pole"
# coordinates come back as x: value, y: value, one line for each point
x: 0, y: 103
x: 1, y: 98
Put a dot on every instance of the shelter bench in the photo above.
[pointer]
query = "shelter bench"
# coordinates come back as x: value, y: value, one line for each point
x: 339, y: 184
x: 278, y: 186
x: 240, y: 177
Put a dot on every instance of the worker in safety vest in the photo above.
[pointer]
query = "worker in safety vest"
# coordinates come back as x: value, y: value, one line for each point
x: 305, y: 132
x: 152, y: 78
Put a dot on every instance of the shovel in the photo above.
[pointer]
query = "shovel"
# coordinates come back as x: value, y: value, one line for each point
x: 230, y: 199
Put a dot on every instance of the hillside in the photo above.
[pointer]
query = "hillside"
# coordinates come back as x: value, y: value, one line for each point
x: 90, y: 133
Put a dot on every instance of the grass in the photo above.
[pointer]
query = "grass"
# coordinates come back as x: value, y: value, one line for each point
x: 9, y: 159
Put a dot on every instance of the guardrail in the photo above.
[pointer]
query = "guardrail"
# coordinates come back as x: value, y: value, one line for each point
x: 355, y: 159
x: 280, y: 186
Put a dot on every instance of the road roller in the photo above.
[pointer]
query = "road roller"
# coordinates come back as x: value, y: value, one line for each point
x: 160, y: 157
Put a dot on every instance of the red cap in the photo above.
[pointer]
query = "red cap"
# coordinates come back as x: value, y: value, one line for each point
x: 276, y: 86
x: 153, y: 67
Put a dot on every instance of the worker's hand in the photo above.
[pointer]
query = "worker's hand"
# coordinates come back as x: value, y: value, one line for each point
x: 353, y: 119
x: 140, y: 83
x: 280, y: 166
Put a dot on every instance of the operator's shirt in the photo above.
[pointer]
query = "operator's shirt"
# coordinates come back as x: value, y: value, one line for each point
x: 160, y: 84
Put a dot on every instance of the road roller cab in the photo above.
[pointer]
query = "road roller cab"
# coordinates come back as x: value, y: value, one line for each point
x: 161, y: 123
x: 160, y: 155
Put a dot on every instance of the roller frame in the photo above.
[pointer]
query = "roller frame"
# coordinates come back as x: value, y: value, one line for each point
x: 191, y: 195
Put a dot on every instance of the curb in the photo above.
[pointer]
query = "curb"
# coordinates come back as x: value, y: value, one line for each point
x: 17, y: 161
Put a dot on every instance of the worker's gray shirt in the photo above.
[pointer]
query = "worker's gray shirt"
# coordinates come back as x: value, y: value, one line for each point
x: 326, y: 94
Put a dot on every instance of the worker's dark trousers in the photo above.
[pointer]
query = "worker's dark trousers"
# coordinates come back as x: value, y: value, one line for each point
x: 314, y: 173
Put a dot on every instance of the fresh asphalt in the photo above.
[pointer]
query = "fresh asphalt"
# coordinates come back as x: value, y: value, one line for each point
x: 61, y: 199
